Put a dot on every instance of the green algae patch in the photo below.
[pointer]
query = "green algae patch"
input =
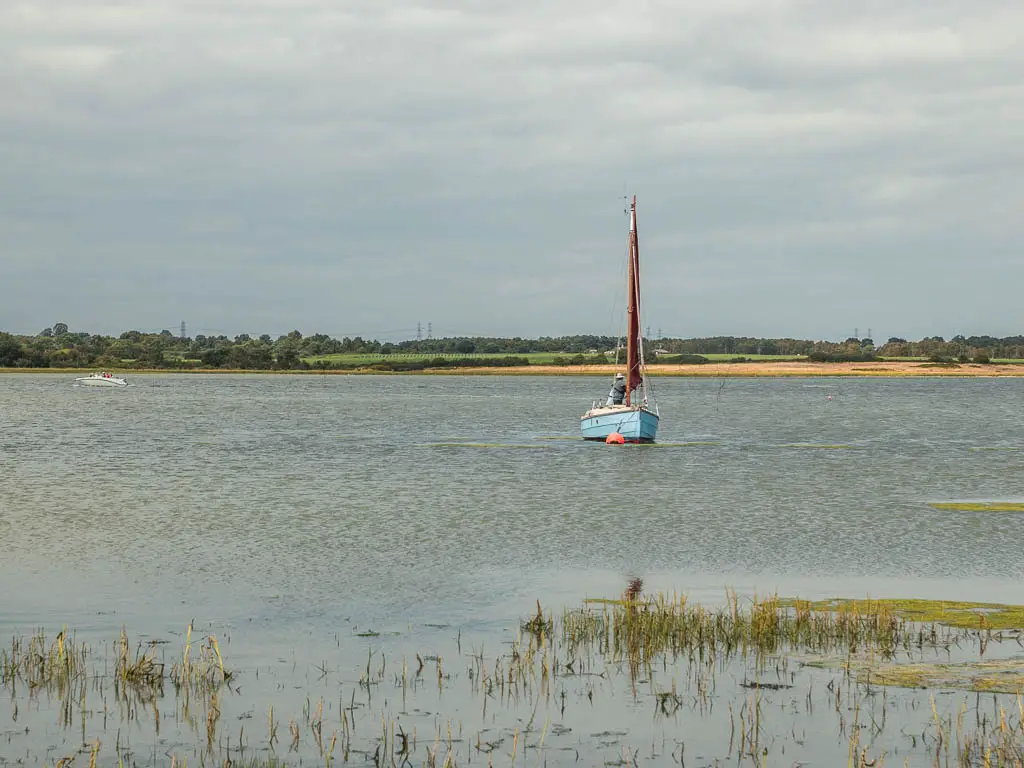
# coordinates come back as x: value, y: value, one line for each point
x: 484, y: 445
x: 979, y: 448
x: 995, y: 676
x: 832, y: 446
x: 979, y: 506
x: 1002, y: 676
x: 951, y: 613
x: 691, y: 444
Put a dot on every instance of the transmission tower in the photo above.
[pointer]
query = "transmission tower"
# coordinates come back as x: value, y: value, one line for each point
x: 430, y: 330
x: 183, y: 337
x: 419, y: 331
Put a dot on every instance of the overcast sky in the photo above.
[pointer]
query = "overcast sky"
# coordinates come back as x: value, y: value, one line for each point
x: 358, y: 166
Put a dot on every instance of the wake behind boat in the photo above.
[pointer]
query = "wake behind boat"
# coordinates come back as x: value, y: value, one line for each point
x: 101, y: 379
x: 628, y: 415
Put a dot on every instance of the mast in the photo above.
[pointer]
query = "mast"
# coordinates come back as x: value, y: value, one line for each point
x: 633, y: 352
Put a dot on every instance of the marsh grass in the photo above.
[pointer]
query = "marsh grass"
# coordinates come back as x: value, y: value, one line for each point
x: 538, y: 625
x: 138, y: 668
x: 861, y: 639
x: 753, y: 660
x: 61, y: 664
x: 202, y: 671
x: 77, y: 681
x: 58, y: 665
x: 638, y: 630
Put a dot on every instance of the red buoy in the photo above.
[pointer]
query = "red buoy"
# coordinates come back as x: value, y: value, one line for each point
x: 615, y: 439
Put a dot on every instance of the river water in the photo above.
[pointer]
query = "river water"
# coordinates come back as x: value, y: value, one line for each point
x: 290, y: 510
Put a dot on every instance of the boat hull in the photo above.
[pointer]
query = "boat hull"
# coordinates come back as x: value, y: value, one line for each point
x: 91, y: 381
x: 636, y: 424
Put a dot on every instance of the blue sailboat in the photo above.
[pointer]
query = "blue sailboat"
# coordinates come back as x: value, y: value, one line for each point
x: 629, y: 414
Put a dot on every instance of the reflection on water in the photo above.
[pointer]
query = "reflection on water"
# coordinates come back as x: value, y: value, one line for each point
x: 285, y: 511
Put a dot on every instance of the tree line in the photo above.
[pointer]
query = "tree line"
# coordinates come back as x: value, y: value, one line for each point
x: 60, y: 347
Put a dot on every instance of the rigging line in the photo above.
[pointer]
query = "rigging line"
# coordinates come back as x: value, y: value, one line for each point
x: 615, y: 309
x: 622, y: 319
x: 623, y: 264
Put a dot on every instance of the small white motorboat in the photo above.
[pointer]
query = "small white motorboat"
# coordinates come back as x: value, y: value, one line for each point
x: 101, y: 379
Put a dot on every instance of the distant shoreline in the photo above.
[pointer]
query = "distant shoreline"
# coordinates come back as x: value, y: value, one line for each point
x: 759, y: 369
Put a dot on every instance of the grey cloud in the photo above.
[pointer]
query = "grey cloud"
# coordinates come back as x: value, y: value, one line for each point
x: 802, y: 168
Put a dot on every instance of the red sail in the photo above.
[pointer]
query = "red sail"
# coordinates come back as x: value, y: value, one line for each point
x: 633, y: 375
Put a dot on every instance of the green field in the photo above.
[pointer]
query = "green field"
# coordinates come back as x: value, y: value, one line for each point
x: 535, y: 358
x: 920, y: 359
x: 721, y: 357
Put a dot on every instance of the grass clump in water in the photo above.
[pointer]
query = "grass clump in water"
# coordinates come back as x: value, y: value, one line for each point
x: 138, y: 672
x: 56, y: 665
x: 640, y: 629
x: 138, y: 668
x: 539, y: 625
x: 204, y: 672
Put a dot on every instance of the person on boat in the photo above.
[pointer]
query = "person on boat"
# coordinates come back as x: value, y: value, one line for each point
x: 618, y: 393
